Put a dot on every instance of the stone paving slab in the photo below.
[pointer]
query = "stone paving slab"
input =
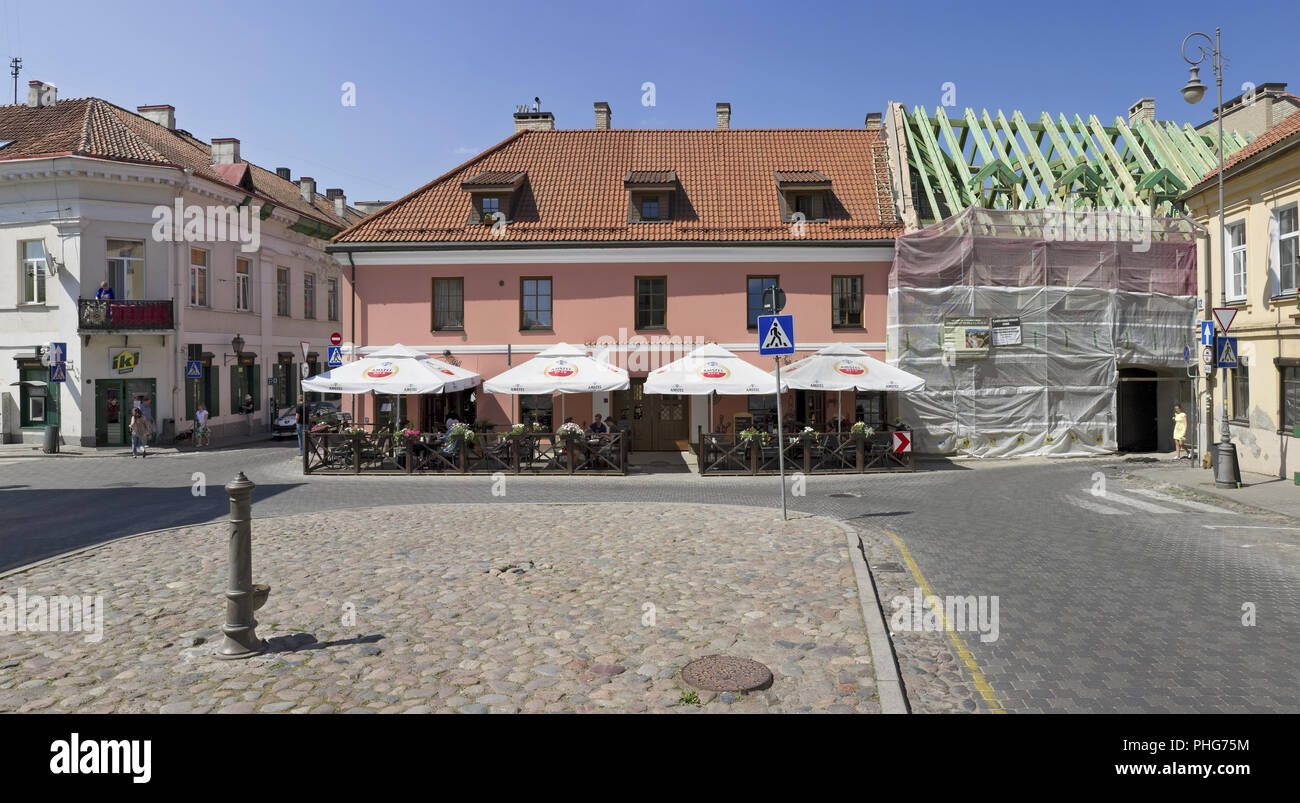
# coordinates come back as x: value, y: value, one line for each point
x: 459, y: 608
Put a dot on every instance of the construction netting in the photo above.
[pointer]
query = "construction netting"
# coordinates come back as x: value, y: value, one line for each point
x: 1019, y: 322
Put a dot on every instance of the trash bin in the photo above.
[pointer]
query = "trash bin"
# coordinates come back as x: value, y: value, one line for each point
x: 168, y: 433
x: 51, y: 439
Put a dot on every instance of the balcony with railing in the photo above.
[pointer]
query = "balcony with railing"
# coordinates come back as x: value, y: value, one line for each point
x: 96, y: 315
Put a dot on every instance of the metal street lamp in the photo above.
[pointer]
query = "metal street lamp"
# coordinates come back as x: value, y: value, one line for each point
x: 236, y: 343
x: 1227, y: 474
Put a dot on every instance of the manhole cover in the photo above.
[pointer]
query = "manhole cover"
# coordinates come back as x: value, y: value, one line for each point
x: 888, y: 567
x: 727, y: 673
x: 843, y: 494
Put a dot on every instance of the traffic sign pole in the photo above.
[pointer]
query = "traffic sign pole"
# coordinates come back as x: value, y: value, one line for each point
x: 780, y: 439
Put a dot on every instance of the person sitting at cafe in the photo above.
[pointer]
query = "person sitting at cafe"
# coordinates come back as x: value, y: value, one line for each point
x: 598, y: 427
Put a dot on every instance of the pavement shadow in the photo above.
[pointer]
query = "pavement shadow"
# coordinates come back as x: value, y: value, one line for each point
x: 299, y: 642
x: 43, y: 522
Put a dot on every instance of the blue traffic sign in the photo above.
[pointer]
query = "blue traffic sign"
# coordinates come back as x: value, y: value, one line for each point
x: 1227, y: 352
x: 58, y: 372
x: 1207, y: 333
x: 775, y: 334
x: 193, y: 369
x: 58, y: 352
x: 335, y: 356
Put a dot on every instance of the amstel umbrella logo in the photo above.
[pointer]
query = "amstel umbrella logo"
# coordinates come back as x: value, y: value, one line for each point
x: 445, y: 371
x: 381, y: 371
x: 850, y: 368
x: 714, y: 370
x: 561, y: 369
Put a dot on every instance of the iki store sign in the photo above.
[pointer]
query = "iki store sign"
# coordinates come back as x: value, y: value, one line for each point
x: 123, y: 360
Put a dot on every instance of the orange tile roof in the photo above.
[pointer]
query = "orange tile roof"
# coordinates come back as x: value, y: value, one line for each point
x: 727, y: 189
x: 1284, y: 129
x: 99, y: 129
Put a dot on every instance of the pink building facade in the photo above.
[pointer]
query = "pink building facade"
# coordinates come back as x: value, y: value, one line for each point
x: 640, y: 245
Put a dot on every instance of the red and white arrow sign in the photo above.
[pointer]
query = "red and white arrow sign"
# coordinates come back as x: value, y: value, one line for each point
x: 902, y: 442
x: 1223, y: 316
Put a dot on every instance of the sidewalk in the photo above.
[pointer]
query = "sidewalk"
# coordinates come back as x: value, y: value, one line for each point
x: 1257, y: 490
x: 12, y: 450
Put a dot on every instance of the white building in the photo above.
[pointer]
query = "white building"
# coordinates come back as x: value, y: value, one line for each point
x: 87, y: 194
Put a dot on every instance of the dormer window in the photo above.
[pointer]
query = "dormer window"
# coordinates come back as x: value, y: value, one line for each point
x: 493, y: 193
x: 805, y: 192
x: 650, y: 195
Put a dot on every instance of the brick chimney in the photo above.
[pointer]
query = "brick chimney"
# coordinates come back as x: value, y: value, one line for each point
x: 723, y: 111
x: 283, y: 172
x: 534, y: 121
x: 873, y: 121
x: 1143, y: 110
x: 164, y: 115
x: 340, y: 200
x: 603, y: 115
x: 307, y: 188
x: 225, y: 151
x: 41, y: 94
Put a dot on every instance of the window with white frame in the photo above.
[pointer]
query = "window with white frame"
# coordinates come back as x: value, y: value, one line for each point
x: 1234, y: 279
x: 1288, y: 242
x: 126, y: 269
x: 242, y: 285
x: 198, y: 277
x: 309, y: 295
x: 34, y: 270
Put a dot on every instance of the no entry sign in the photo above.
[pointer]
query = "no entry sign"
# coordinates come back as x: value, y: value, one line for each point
x: 336, y: 339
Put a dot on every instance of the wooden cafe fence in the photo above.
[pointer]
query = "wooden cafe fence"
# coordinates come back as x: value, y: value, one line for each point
x: 721, y: 454
x: 430, y: 453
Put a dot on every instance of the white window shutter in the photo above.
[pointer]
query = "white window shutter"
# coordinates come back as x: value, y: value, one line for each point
x: 1274, y: 256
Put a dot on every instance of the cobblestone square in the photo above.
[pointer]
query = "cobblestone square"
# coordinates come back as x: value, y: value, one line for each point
x: 460, y: 608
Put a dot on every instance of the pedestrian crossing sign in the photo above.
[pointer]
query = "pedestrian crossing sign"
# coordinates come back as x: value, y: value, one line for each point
x: 775, y: 334
x: 193, y: 369
x: 58, y: 372
x: 1227, y: 352
x: 335, y: 356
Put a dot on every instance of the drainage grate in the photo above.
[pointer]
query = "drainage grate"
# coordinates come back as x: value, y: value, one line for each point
x: 888, y: 567
x: 727, y: 673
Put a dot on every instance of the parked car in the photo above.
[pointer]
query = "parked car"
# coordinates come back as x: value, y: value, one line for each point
x: 317, y: 412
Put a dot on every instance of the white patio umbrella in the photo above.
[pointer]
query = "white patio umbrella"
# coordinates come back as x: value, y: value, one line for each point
x: 559, y: 369
x: 841, y: 367
x: 393, y: 370
x: 710, y: 370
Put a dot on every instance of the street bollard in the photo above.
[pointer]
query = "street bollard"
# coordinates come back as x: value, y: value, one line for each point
x: 242, y: 596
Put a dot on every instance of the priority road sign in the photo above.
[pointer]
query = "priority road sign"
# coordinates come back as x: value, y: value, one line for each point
x: 193, y: 369
x: 1224, y: 316
x: 1227, y: 352
x: 58, y: 372
x: 1207, y: 333
x: 775, y: 334
x: 335, y: 357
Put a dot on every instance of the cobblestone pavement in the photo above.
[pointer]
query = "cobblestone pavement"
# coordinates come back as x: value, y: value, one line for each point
x: 1111, y: 598
x: 460, y: 608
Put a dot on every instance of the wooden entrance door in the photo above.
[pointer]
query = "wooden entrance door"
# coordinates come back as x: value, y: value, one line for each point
x: 659, y: 422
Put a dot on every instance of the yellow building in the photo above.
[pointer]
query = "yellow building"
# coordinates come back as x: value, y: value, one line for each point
x: 1261, y: 200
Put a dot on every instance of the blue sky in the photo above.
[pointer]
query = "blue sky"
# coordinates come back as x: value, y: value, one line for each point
x: 437, y: 82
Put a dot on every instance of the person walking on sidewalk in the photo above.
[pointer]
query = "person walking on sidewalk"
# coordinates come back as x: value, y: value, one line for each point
x: 247, y: 409
x: 140, y: 430
x: 1180, y: 430
x: 300, y: 421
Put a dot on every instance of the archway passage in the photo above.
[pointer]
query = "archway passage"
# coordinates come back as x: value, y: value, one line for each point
x: 1138, y: 429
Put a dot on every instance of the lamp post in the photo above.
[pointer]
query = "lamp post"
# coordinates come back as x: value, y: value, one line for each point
x: 1227, y: 474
